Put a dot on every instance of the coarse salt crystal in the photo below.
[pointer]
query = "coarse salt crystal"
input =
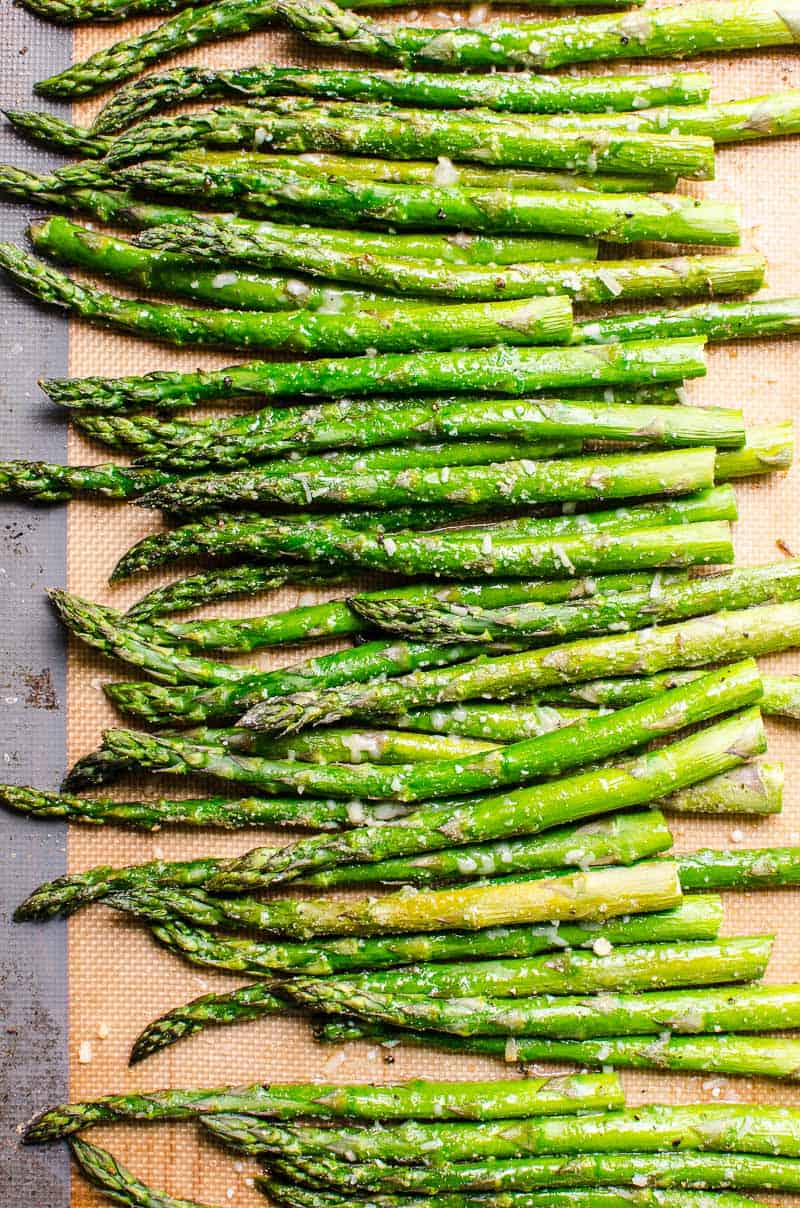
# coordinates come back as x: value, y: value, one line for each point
x: 602, y: 946
x: 85, y: 1052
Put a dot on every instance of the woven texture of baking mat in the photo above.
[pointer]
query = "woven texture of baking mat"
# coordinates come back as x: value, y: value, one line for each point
x: 120, y: 980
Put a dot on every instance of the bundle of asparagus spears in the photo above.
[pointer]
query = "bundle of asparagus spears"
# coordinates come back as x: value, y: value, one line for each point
x: 557, y: 651
x: 568, y: 1140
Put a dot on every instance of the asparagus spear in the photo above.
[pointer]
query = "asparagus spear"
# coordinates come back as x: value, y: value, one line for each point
x: 54, y: 131
x: 71, y: 11
x: 780, y: 692
x: 767, y: 448
x: 68, y: 893
x: 693, y: 918
x: 715, y: 321
x: 509, y: 93
x: 773, y: 583
x: 164, y: 272
x: 771, y: 115
x: 350, y: 202
x: 499, y: 483
x: 498, y: 1100
x: 147, y: 892
x: 745, y: 633
x: 629, y: 968
x: 450, y: 555
x: 107, y: 631
x: 225, y: 701
x: 242, y: 439
x: 536, y: 321
x: 587, y: 281
x: 651, y: 1128
x: 190, y: 27
x: 760, y: 868
x: 476, y: 823
x: 508, y: 370
x: 153, y: 814
x: 693, y: 29
x: 748, y: 1009
x: 550, y: 754
x: 649, y: 885
x: 339, y: 619
x: 524, y: 855
x: 698, y: 917
x: 112, y: 1179
x: 84, y: 188
x: 294, y: 1196
x: 362, y: 129
x: 647, y: 966
x: 748, y: 1056
x: 686, y: 1169
x: 45, y: 482
x: 225, y: 582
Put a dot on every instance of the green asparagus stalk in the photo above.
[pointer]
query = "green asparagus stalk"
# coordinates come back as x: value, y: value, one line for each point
x: 476, y: 823
x: 104, y: 629
x: 499, y: 483
x: 219, y: 812
x: 339, y: 619
x: 525, y: 855
x: 240, y: 440
x: 652, y: 1128
x: 696, y: 918
x: 629, y: 968
x: 649, y: 885
x: 446, y: 554
x: 536, y: 321
x: 239, y: 1006
x: 498, y: 1100
x: 749, y: 1009
x: 294, y: 1196
x: 509, y: 93
x: 68, y: 893
x: 71, y: 11
x: 45, y: 482
x: 685, y: 1169
x: 694, y: 29
x: 459, y: 248
x: 84, y: 188
x: 54, y: 131
x: 164, y: 272
x: 771, y: 115
x: 226, y: 582
x: 350, y: 202
x: 361, y: 129
x: 739, y: 588
x: 780, y: 692
x: 569, y: 972
x: 624, y: 839
x: 766, y: 449
x: 759, y: 868
x: 744, y: 633
x: 716, y: 321
x: 549, y: 754
x: 225, y: 701
x: 190, y: 27
x: 587, y: 281
x: 747, y: 1056
x: 112, y: 1179
x: 508, y: 370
